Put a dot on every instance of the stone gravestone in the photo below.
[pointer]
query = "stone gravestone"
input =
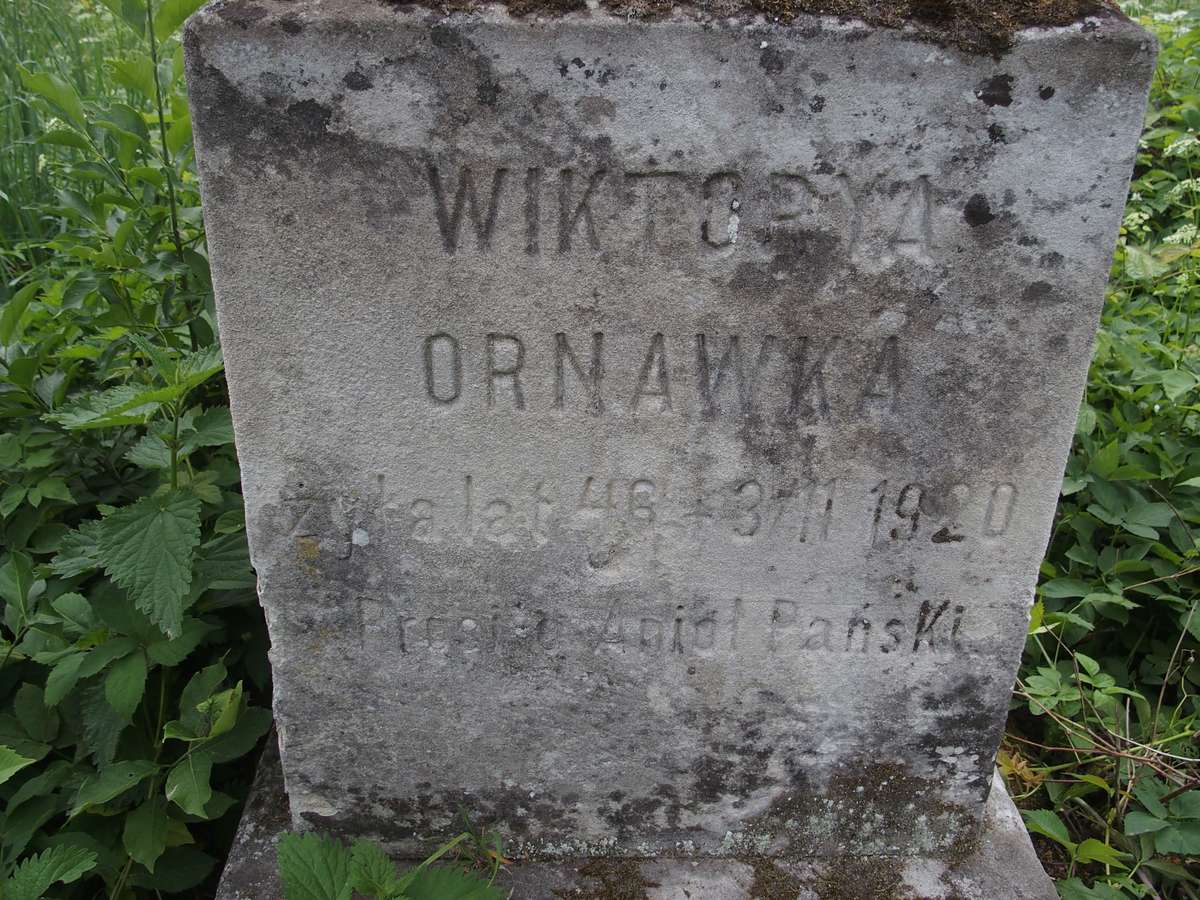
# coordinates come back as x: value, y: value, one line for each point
x: 650, y: 429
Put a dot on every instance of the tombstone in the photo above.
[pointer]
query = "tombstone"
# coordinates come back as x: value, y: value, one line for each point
x: 650, y: 428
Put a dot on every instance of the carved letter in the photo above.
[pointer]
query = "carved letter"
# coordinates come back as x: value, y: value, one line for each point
x: 563, y: 351
x: 884, y: 383
x: 569, y: 216
x: 656, y: 359
x: 450, y: 223
x: 431, y: 357
x: 710, y: 387
x: 803, y: 379
x: 513, y: 370
x: 926, y: 624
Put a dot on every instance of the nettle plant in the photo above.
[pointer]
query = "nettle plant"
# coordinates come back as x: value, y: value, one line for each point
x: 130, y: 639
x: 318, y: 868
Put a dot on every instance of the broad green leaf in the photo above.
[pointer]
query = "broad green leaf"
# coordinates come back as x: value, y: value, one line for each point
x: 171, y: 14
x: 111, y: 782
x: 39, y: 723
x: 371, y: 872
x: 75, y: 612
x: 57, y: 865
x: 179, y: 869
x: 128, y: 404
x: 58, y: 93
x: 313, y: 868
x: 199, y: 688
x: 102, y: 725
x: 79, y: 551
x: 62, y: 678
x: 174, y: 651
x: 1187, y: 805
x: 212, y: 428
x: 125, y: 684
x: 147, y: 549
x: 98, y: 659
x: 188, y: 783
x: 1058, y: 588
x: 14, y: 310
x: 1046, y: 822
x: 1141, y: 265
x: 222, y: 709
x: 145, y: 835
x: 1141, y: 823
x: 252, y: 724
x: 131, y: 12
x: 1036, y: 614
x: 1092, y: 850
x: 134, y: 72
x: 11, y: 763
x: 450, y: 883
x: 151, y: 452
x: 1180, y: 837
x: 1176, y: 383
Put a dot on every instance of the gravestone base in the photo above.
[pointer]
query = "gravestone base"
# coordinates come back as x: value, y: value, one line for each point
x: 1004, y: 865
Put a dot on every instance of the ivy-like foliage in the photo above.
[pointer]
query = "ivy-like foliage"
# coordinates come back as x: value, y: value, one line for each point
x: 131, y: 646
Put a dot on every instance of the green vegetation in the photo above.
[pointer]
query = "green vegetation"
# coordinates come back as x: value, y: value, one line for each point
x: 316, y: 868
x: 131, y: 642
x: 131, y: 646
x: 1103, y: 738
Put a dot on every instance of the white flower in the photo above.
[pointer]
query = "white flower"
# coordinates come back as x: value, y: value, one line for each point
x: 1185, y: 146
x: 1185, y: 236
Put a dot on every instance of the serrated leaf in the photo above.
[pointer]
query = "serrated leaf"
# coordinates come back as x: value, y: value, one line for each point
x: 147, y: 549
x: 151, y: 452
x: 78, y: 552
x: 102, y: 725
x: 11, y: 763
x: 174, y: 651
x: 212, y: 428
x: 188, y: 783
x: 313, y: 868
x: 75, y: 612
x: 57, y: 865
x: 112, y: 781
x: 125, y: 684
x: 199, y: 688
x: 127, y: 404
x: 145, y: 835
x: 371, y: 872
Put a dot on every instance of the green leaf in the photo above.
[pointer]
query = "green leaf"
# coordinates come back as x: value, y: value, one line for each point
x: 58, y: 865
x: 1187, y: 805
x: 14, y: 310
x: 1180, y: 837
x: 102, y: 725
x: 135, y: 73
x: 62, y: 678
x: 1176, y: 382
x: 252, y: 724
x: 151, y: 452
x: 145, y: 835
x: 450, y: 883
x: 79, y: 551
x: 111, y: 782
x: 147, y: 549
x: 371, y: 872
x: 11, y: 763
x: 1092, y: 850
x: 58, y: 93
x: 75, y: 612
x: 1141, y: 265
x: 313, y: 868
x: 131, y: 12
x: 188, y: 783
x: 1141, y: 823
x: 179, y: 869
x: 125, y: 684
x: 1047, y: 823
x: 212, y: 428
x: 39, y: 723
x: 199, y: 688
x: 1059, y: 588
x: 171, y: 14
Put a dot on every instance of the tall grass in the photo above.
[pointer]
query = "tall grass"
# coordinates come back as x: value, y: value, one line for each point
x: 71, y: 38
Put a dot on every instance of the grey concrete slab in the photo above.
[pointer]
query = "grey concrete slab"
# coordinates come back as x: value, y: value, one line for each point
x: 1003, y: 866
x: 650, y: 430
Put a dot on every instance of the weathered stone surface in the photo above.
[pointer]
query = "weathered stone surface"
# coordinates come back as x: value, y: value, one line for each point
x: 650, y: 431
x: 1003, y: 865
